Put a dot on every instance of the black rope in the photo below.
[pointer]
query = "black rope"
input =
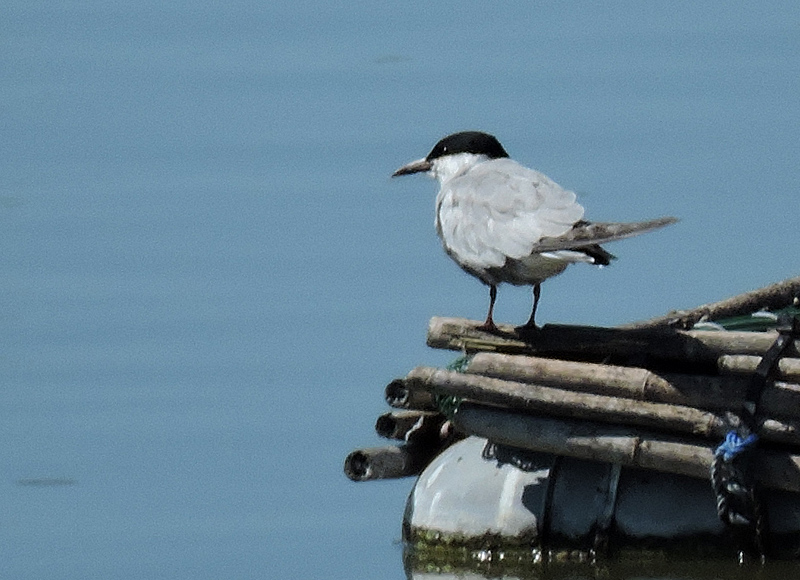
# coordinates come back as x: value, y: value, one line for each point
x: 522, y: 459
x: 735, y: 460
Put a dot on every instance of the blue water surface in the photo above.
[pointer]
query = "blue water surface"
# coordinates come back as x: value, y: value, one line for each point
x: 208, y: 276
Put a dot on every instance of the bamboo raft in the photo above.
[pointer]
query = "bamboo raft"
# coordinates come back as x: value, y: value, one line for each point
x: 659, y: 394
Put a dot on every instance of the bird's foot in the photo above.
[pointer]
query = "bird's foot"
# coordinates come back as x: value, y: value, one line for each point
x: 488, y: 326
x: 491, y: 328
x: 527, y: 329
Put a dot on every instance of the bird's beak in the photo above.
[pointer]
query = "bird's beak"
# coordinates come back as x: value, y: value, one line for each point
x: 417, y: 166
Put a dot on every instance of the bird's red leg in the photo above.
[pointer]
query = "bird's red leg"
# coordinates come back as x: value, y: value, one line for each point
x: 489, y: 325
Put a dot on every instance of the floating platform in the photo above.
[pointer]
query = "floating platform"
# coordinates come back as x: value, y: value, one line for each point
x: 675, y: 435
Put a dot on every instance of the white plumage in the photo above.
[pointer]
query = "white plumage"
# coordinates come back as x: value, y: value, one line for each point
x: 496, y: 210
x: 503, y: 222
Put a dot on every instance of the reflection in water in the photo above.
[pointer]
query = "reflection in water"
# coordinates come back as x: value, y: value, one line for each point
x: 444, y: 564
x: 45, y: 481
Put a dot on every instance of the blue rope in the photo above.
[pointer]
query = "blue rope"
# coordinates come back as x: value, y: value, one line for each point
x: 734, y: 445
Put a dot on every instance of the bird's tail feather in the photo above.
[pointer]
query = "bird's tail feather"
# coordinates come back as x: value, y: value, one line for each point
x: 587, y: 234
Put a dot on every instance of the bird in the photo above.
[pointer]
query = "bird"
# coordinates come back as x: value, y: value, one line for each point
x: 502, y: 222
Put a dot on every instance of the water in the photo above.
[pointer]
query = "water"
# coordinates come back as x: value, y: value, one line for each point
x: 208, y: 276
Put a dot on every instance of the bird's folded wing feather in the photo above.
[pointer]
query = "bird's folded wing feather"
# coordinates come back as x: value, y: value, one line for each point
x: 501, y: 210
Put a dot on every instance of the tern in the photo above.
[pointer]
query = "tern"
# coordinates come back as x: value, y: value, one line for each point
x: 503, y: 222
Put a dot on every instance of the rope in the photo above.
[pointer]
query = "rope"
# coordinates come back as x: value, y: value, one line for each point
x: 522, y: 459
x: 734, y: 445
x: 732, y: 470
x: 732, y: 481
x: 448, y: 404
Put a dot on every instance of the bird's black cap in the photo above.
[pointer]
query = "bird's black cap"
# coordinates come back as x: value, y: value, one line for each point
x: 468, y: 142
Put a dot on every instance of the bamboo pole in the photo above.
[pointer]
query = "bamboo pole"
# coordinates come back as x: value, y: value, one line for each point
x: 614, y: 444
x: 706, y: 392
x: 388, y: 462
x: 587, y: 342
x: 772, y: 297
x: 410, y: 426
x: 404, y: 394
x: 739, y: 364
x: 558, y: 402
x: 613, y: 381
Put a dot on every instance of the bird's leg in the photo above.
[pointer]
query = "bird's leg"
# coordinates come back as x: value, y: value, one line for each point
x: 489, y: 325
x: 531, y: 324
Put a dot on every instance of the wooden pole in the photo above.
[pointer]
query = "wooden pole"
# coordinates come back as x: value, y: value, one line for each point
x: 739, y: 364
x: 527, y: 397
x: 773, y: 297
x: 404, y: 394
x: 613, y: 381
x: 593, y: 343
x: 614, y: 444
x: 725, y: 393
x: 388, y: 462
x: 410, y: 426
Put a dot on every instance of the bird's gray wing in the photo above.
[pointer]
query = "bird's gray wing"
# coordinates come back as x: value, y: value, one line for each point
x: 500, y: 210
x: 586, y: 234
